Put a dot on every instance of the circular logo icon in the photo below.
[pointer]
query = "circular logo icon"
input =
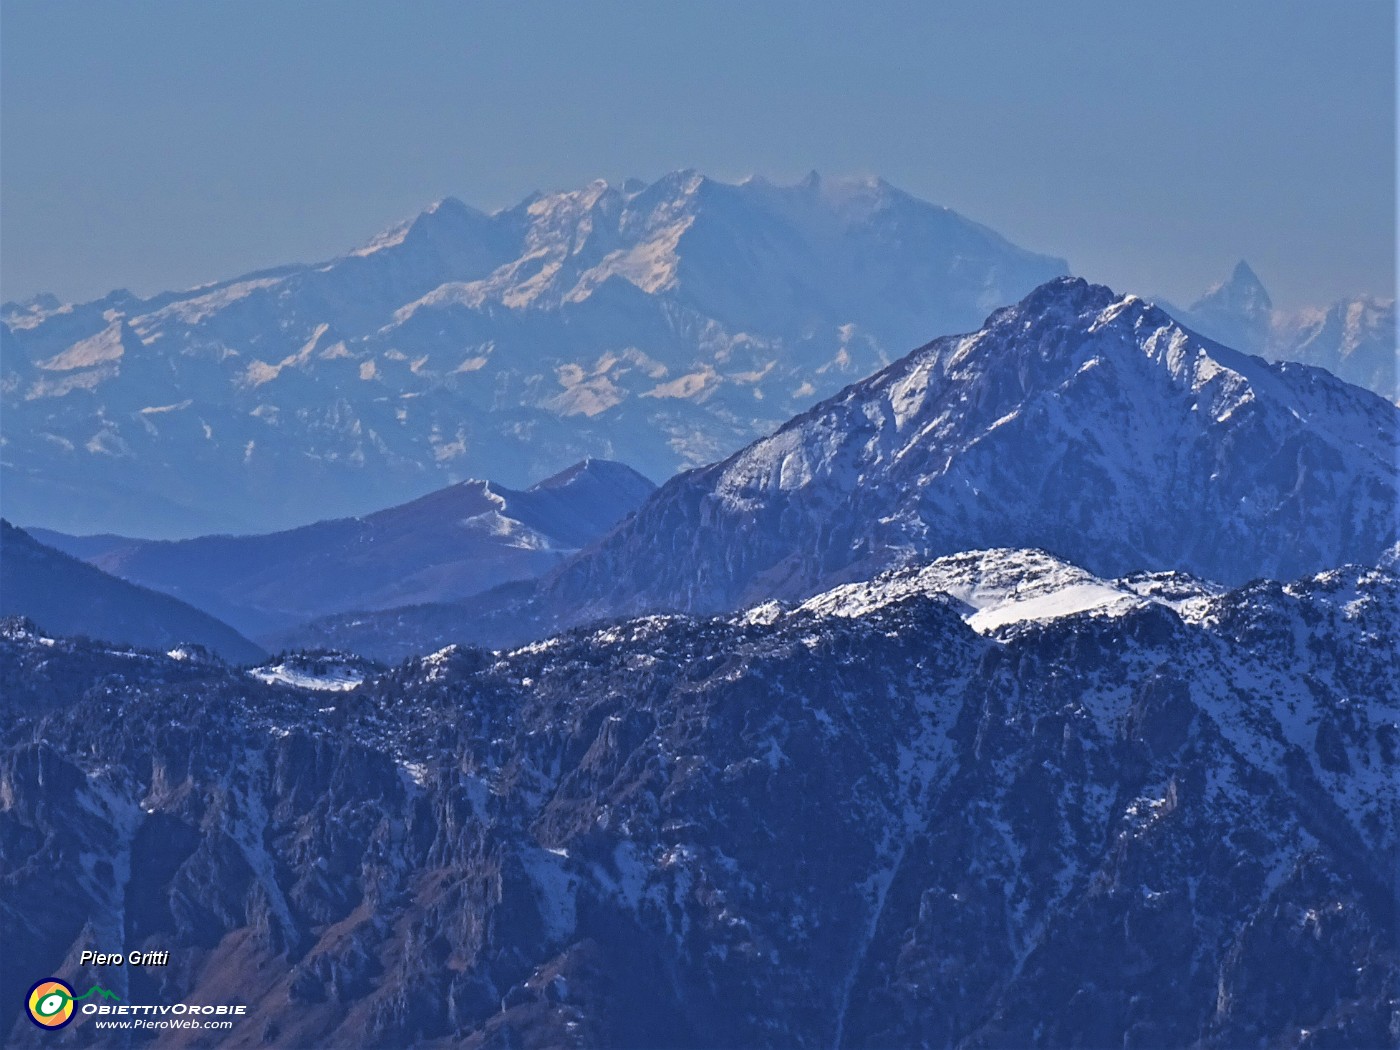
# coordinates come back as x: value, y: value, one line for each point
x: 50, y: 1003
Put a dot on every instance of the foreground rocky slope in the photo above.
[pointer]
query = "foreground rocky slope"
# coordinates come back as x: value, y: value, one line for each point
x: 1140, y: 814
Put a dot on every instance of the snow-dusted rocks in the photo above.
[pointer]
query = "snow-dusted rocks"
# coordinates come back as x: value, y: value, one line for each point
x: 1115, y: 827
x: 317, y: 671
x: 1079, y: 422
x: 664, y: 325
x: 998, y: 588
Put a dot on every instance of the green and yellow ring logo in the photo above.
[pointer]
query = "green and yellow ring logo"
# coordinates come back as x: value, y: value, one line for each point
x: 50, y: 1003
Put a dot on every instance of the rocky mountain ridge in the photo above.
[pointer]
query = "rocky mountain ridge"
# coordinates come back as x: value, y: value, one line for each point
x: 1081, y: 422
x: 447, y: 545
x: 810, y: 828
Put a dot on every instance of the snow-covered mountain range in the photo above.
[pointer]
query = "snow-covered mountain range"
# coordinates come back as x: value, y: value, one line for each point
x: 1353, y: 338
x: 1041, y: 688
x: 664, y: 325
x: 1084, y: 423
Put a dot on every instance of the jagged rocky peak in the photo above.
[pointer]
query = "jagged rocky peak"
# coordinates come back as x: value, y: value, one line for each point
x: 1353, y: 338
x: 1237, y: 311
x: 1059, y: 302
x: 1067, y: 331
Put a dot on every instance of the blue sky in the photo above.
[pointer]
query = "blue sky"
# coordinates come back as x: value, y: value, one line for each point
x: 154, y: 145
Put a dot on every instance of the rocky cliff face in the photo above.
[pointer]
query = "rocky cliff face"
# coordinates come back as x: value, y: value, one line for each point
x: 1141, y: 814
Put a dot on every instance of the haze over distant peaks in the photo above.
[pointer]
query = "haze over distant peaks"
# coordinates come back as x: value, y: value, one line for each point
x: 65, y: 596
x: 444, y: 546
x: 662, y: 324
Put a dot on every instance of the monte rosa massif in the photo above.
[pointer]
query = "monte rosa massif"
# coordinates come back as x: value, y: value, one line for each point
x: 664, y: 325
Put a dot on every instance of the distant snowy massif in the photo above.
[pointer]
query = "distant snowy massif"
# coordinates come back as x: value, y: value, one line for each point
x: 662, y: 325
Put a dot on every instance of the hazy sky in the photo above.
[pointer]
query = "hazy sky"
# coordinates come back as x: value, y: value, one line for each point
x: 156, y: 145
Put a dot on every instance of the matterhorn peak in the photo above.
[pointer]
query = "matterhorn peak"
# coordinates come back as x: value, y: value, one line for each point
x: 1243, y: 274
x: 1242, y: 292
x: 1237, y: 311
